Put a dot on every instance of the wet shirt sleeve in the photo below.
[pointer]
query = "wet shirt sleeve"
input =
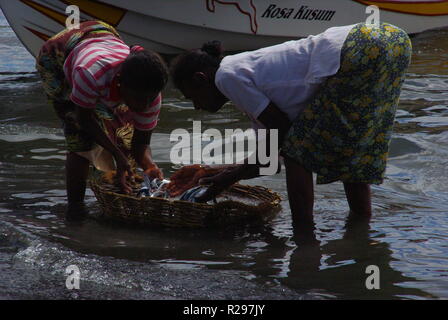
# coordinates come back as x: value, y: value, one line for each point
x: 241, y: 90
x: 147, y: 120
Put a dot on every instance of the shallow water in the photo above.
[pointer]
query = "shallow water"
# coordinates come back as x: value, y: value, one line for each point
x: 406, y: 239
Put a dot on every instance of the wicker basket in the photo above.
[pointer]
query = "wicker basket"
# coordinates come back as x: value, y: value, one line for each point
x: 232, y: 207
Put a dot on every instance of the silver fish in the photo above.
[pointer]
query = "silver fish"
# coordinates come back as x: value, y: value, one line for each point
x: 153, y: 187
x: 156, y: 188
x: 193, y: 194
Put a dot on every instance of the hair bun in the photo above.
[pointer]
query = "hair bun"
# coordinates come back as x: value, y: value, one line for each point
x: 213, y: 48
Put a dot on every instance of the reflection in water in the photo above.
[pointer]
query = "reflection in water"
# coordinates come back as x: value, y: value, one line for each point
x: 338, y: 267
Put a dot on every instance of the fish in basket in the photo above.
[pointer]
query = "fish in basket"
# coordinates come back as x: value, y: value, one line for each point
x: 151, y: 204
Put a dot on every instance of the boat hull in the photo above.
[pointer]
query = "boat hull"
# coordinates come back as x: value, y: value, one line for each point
x: 169, y: 27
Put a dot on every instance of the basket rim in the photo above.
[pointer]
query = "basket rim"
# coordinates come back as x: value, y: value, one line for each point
x: 205, y: 205
x: 95, y: 181
x: 172, y: 212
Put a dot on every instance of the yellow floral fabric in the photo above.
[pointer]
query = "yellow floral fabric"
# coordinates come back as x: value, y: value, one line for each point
x: 344, y: 133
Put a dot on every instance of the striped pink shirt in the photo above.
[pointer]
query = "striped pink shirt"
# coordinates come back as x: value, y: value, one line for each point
x: 90, y: 69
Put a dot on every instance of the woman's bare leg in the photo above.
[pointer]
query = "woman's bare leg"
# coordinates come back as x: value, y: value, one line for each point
x: 299, y: 182
x: 77, y: 171
x: 359, y: 199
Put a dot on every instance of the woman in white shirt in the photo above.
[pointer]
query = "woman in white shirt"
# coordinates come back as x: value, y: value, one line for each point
x: 332, y: 97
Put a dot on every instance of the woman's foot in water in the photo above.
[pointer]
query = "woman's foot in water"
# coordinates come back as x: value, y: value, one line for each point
x: 76, y: 211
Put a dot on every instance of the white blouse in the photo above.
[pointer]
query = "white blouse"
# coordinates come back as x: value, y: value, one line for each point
x: 288, y: 74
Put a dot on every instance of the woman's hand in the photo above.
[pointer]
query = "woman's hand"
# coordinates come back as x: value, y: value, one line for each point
x: 219, y: 182
x: 153, y: 171
x: 123, y: 171
x: 144, y: 159
x: 141, y: 152
x: 188, y: 177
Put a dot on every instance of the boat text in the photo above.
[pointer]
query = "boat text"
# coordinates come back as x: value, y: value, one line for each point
x: 302, y: 13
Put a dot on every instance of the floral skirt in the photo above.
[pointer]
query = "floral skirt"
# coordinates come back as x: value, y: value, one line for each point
x: 116, y: 123
x: 345, y: 132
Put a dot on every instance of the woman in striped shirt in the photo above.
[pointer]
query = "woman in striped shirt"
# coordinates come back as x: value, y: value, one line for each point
x: 108, y: 98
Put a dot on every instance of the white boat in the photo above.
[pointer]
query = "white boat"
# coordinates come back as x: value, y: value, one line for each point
x: 170, y: 26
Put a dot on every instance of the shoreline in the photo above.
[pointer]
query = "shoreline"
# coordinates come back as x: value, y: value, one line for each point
x: 26, y: 258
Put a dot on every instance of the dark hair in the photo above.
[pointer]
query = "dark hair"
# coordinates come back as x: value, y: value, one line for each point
x: 186, y: 64
x: 143, y: 71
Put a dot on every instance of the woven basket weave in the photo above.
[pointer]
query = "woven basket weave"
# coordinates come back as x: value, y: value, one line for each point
x: 256, y: 203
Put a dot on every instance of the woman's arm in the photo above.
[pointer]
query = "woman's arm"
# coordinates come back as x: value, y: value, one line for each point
x: 89, y: 124
x: 273, y: 119
x: 141, y: 151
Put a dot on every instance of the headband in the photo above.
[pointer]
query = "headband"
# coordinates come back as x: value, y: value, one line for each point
x: 136, y: 48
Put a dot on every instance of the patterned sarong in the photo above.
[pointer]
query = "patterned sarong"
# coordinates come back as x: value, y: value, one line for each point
x: 344, y: 133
